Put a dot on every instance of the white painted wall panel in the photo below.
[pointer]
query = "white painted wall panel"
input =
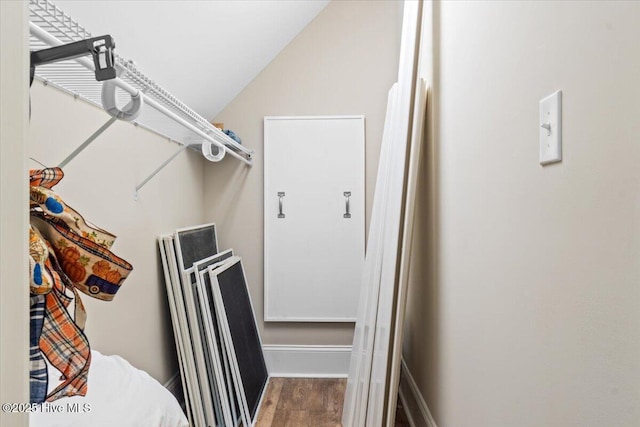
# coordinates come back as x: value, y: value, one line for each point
x: 313, y: 255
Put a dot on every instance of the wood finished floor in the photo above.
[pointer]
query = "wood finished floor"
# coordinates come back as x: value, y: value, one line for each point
x: 306, y: 402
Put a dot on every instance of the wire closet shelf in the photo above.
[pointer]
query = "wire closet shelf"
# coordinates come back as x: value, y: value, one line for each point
x: 162, y: 112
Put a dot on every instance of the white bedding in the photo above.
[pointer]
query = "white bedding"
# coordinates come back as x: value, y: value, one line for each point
x: 118, y: 395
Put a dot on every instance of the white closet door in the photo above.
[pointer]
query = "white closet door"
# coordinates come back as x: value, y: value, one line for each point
x: 314, y: 217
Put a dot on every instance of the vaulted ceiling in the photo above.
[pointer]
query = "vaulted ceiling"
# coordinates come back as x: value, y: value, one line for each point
x: 203, y: 52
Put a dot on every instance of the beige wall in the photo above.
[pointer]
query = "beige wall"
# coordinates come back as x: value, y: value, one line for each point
x: 525, y: 310
x: 344, y: 62
x: 99, y: 183
x: 14, y: 267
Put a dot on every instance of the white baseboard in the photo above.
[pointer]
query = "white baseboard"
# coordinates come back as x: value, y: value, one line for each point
x: 308, y: 361
x: 415, y: 407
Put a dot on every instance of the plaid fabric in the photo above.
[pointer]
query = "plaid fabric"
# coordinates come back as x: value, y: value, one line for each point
x: 63, y: 342
x: 53, y: 332
x: 45, y: 177
x: 63, y: 247
x: 38, y: 368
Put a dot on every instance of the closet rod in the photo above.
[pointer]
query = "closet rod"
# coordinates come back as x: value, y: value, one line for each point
x: 45, y: 37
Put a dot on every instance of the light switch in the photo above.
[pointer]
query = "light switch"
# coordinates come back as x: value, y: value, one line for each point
x: 550, y: 128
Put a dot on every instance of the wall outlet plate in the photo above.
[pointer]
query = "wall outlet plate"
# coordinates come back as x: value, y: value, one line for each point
x: 550, y: 128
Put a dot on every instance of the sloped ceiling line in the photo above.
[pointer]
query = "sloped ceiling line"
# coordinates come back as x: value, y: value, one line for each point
x: 203, y: 52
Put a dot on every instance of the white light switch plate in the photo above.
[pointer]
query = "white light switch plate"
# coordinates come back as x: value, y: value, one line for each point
x: 550, y: 128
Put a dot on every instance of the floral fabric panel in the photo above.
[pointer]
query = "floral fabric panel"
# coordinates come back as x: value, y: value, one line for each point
x: 51, y: 204
x: 66, y: 254
x: 91, y: 268
x: 40, y: 281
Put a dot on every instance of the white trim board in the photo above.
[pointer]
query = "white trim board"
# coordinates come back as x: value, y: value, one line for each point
x: 345, y: 116
x: 14, y: 217
x: 416, y: 409
x: 307, y: 361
